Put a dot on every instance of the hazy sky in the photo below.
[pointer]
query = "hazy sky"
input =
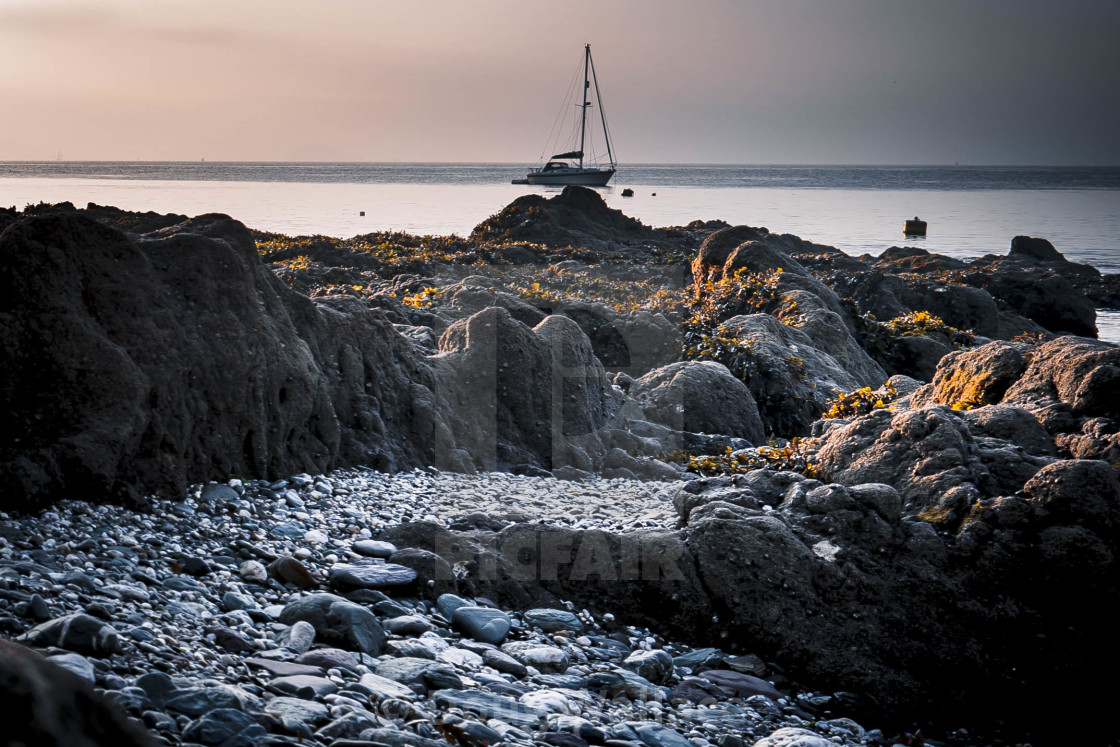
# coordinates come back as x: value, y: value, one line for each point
x: 710, y: 81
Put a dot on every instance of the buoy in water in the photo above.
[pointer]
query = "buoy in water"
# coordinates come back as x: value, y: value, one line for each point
x: 362, y: 213
x: 627, y: 192
x: 916, y: 227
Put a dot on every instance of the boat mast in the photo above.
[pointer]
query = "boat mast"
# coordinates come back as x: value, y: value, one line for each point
x: 583, y: 109
x: 602, y: 113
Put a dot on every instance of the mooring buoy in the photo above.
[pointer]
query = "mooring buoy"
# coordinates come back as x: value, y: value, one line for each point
x: 916, y: 227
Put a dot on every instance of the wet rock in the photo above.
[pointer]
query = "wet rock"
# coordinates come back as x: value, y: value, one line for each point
x: 303, y: 684
x: 481, y: 623
x: 289, y: 570
x: 743, y: 685
x: 297, y: 715
x: 329, y: 658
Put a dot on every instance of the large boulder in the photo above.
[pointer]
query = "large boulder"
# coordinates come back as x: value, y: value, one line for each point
x: 974, y: 378
x: 139, y: 365
x: 700, y: 397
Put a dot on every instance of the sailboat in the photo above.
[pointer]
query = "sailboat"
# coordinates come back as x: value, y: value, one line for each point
x: 570, y: 167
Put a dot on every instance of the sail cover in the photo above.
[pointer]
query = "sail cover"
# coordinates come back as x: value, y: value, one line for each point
x: 570, y: 154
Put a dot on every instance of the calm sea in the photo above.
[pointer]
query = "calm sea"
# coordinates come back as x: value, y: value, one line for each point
x: 970, y: 210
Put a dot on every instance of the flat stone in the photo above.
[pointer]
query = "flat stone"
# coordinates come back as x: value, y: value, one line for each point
x: 369, y: 574
x: 222, y: 726
x: 421, y: 672
x: 195, y: 700
x: 543, y: 657
x: 284, y: 668
x: 656, y: 735
x: 383, y: 687
x: 545, y: 702
x: 77, y: 664
x: 374, y: 548
x: 488, y: 705
x: 743, y: 685
x: 296, y: 712
x: 329, y: 658
x: 408, y: 625
x: 481, y: 623
x: 297, y: 683
x: 82, y: 633
x: 505, y: 663
x: 553, y: 621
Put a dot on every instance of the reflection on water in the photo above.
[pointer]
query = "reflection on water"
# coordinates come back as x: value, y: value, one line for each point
x: 1108, y: 325
x: 1084, y: 224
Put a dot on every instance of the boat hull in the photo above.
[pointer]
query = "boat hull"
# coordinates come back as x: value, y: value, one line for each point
x: 585, y: 177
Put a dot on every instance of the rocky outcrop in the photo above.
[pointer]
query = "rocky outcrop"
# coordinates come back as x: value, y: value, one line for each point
x: 139, y: 366
x: 577, y: 217
x: 838, y: 583
x: 932, y: 457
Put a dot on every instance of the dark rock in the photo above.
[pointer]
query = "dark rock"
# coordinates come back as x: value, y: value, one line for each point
x: 301, y: 684
x: 743, y: 685
x: 1077, y: 491
x: 1082, y: 374
x: 655, y: 666
x: 329, y: 658
x: 337, y: 620
x: 55, y: 706
x: 110, y: 343
x: 81, y: 633
x: 578, y: 216
x: 283, y: 668
x: 1032, y: 248
x: 433, y: 573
